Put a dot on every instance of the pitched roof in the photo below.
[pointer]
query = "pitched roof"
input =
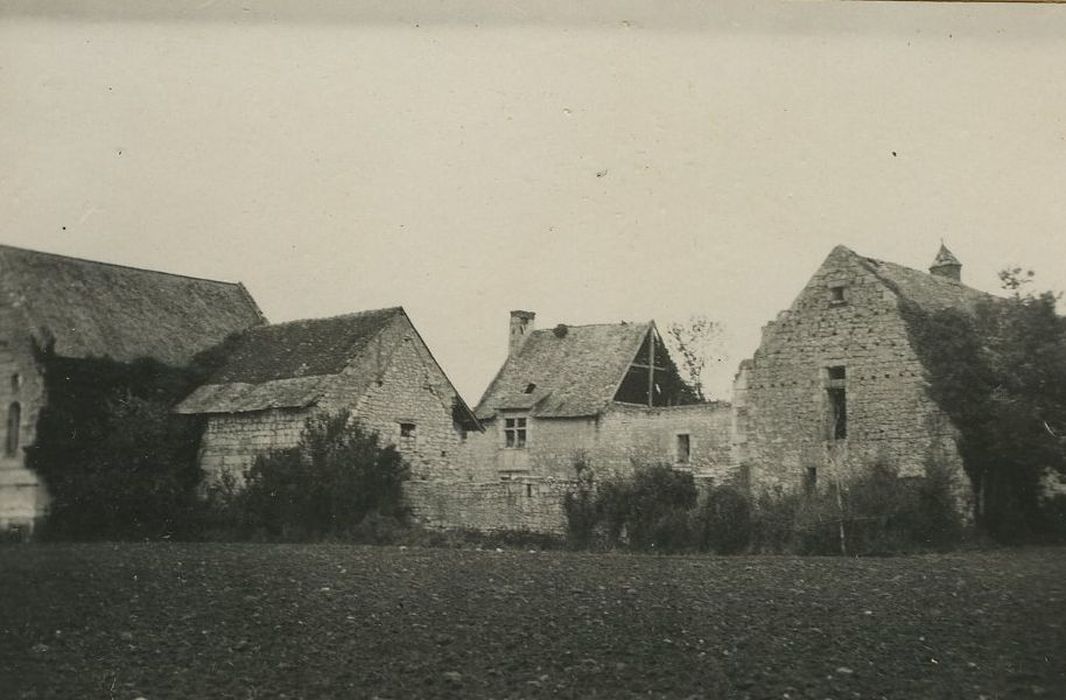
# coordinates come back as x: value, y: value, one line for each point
x: 945, y: 257
x: 930, y: 292
x: 85, y: 308
x: 573, y: 374
x: 285, y: 364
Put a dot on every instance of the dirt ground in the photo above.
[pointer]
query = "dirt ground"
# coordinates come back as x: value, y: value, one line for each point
x: 254, y: 620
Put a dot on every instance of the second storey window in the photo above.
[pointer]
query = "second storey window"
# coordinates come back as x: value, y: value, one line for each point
x: 514, y: 432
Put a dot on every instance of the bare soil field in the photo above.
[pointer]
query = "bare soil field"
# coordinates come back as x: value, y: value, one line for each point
x: 255, y: 620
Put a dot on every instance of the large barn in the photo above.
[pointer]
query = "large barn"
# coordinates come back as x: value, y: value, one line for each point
x: 81, y: 309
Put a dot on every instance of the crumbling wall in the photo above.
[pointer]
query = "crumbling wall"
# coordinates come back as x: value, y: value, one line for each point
x: 780, y: 397
x: 489, y: 506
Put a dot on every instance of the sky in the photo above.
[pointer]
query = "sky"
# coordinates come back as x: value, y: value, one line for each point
x: 592, y: 162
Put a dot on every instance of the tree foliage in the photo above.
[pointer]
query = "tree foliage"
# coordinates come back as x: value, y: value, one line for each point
x: 117, y: 463
x: 326, y: 485
x: 999, y: 373
x: 696, y: 343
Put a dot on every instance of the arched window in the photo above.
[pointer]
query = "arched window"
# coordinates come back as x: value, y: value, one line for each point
x: 14, y: 422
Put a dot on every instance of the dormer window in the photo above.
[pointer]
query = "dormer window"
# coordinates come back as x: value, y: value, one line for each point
x: 836, y: 295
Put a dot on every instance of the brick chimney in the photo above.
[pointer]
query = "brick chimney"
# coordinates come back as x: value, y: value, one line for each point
x: 946, y: 265
x: 521, y: 327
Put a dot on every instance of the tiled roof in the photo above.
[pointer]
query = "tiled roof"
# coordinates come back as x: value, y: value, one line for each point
x: 557, y: 374
x: 84, y: 308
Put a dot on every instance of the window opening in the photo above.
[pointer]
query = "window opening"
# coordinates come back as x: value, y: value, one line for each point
x: 514, y: 432
x: 810, y: 480
x: 684, y: 448
x: 14, y: 423
x: 407, y: 430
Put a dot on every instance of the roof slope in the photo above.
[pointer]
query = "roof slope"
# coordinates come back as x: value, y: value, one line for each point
x: 930, y: 292
x: 575, y: 374
x: 95, y: 309
x: 285, y: 364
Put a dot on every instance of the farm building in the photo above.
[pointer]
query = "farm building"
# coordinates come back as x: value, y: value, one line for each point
x: 836, y: 383
x: 373, y: 364
x: 80, y: 309
x: 608, y: 394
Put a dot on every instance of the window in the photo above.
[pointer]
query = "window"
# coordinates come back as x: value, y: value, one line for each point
x: 514, y: 432
x: 14, y: 423
x: 836, y: 294
x: 407, y: 431
x: 838, y: 412
x: 530, y: 388
x: 16, y: 382
x: 837, y: 400
x: 684, y: 448
x: 810, y: 480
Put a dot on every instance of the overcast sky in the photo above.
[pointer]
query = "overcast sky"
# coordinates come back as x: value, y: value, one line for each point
x: 607, y: 162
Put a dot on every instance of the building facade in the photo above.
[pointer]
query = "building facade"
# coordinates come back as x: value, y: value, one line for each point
x: 373, y: 364
x: 836, y: 383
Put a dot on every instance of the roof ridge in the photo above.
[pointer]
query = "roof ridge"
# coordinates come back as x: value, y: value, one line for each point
x: 594, y: 325
x: 335, y: 317
x: 4, y: 246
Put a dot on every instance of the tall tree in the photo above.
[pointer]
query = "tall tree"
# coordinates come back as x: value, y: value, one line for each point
x: 697, y: 343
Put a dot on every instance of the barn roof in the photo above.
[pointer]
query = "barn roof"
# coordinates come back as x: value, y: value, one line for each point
x: 569, y: 373
x: 930, y: 292
x: 285, y: 364
x: 85, y: 308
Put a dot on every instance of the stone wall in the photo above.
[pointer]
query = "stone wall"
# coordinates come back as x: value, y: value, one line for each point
x: 231, y: 442
x: 489, y: 506
x: 23, y: 497
x: 612, y: 442
x: 397, y: 383
x: 783, y: 407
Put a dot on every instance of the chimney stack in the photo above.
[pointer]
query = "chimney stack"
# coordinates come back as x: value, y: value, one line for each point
x: 946, y: 265
x: 521, y: 327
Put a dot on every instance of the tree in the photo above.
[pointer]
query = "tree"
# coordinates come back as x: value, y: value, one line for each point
x: 1000, y: 375
x: 336, y: 476
x: 696, y: 342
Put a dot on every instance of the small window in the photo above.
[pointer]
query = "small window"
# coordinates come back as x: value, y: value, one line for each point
x: 514, y: 432
x: 530, y: 388
x: 836, y: 294
x: 684, y: 448
x: 810, y: 480
x: 407, y: 430
x: 529, y: 490
x: 837, y: 372
x: 14, y: 425
x: 16, y: 382
x: 838, y: 413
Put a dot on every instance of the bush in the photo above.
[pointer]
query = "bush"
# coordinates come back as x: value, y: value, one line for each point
x: 725, y: 521
x: 333, y: 479
x: 117, y: 463
x: 581, y: 508
x: 873, y: 513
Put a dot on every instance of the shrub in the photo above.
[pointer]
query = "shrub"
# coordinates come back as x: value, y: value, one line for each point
x: 580, y: 506
x: 118, y: 464
x: 334, y: 478
x: 725, y: 521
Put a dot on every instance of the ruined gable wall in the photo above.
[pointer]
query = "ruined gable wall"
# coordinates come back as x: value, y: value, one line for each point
x: 780, y: 397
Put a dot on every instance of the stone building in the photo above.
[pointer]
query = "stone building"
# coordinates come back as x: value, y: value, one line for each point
x: 373, y: 363
x: 836, y: 383
x: 608, y: 394
x: 81, y: 309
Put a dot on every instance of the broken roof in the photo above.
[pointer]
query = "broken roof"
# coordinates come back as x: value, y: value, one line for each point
x: 84, y: 308
x: 557, y: 375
